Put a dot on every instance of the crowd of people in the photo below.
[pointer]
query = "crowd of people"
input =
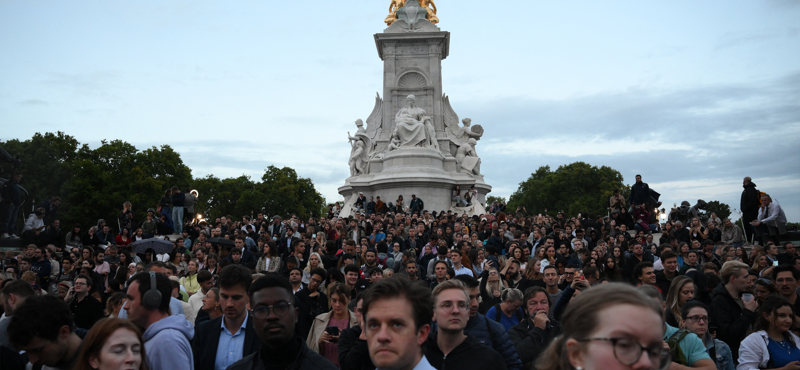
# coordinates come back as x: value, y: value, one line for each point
x: 404, y: 290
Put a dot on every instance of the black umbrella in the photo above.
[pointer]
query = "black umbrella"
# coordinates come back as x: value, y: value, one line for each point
x: 221, y: 241
x: 158, y: 245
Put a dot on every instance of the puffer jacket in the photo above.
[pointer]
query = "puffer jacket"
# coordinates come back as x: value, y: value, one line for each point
x: 493, y: 335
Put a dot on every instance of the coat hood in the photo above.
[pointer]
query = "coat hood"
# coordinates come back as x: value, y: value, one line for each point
x: 175, y: 322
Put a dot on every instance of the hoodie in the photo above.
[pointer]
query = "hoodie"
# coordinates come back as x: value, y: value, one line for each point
x: 732, y: 320
x: 167, y: 344
x: 470, y: 354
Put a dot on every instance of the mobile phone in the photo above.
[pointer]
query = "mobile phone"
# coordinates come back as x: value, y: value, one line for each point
x: 332, y: 330
x: 774, y: 263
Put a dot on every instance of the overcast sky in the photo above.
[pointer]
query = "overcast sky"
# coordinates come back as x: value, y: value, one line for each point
x: 692, y: 95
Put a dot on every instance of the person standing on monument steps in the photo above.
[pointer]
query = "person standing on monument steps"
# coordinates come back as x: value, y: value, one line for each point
x: 749, y: 205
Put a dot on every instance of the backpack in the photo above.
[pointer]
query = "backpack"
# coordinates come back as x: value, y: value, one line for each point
x: 499, y: 312
x: 760, y: 194
x: 675, y: 348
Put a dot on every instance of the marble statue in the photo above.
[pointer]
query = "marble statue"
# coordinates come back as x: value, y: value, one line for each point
x: 458, y: 134
x: 362, y: 150
x: 428, y: 6
x: 413, y: 128
x: 468, y: 159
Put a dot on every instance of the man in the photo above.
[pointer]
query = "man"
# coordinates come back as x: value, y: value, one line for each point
x: 690, y: 262
x: 274, y: 318
x: 371, y: 206
x: 166, y: 337
x: 371, y: 261
x: 25, y: 264
x: 749, y: 205
x: 729, y: 313
x: 34, y: 226
x: 785, y: 278
x: 455, y: 256
x: 785, y: 258
x: 644, y: 273
x: 617, y: 201
x: 639, y: 255
x: 551, y: 281
x: 771, y: 221
x: 695, y: 319
x: 416, y: 205
x: 112, y: 255
x: 315, y: 301
x: 296, y: 278
x: 86, y: 310
x: 220, y: 342
x: 710, y: 256
x: 105, y: 235
x: 397, y: 314
x: 103, y: 268
x: 664, y: 278
x: 42, y: 267
x: 299, y: 252
x: 248, y: 259
x: 351, y: 273
x: 713, y: 233
x: 13, y: 295
x: 12, y: 199
x: 640, y: 193
x: 514, y: 277
x: 361, y: 202
x: 440, y: 271
x: 43, y: 328
x: 206, y: 281
x: 277, y: 227
x: 534, y: 334
x: 380, y: 206
x: 442, y: 255
x: 691, y: 347
x: 412, y: 271
x: 449, y: 347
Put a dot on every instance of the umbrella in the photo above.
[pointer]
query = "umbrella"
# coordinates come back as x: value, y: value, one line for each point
x: 221, y: 241
x: 160, y: 246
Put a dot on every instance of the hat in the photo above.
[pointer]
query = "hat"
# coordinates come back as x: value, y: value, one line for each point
x: 65, y: 284
x: 360, y: 193
x: 484, y: 219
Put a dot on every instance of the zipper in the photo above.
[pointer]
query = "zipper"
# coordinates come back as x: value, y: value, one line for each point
x: 444, y: 362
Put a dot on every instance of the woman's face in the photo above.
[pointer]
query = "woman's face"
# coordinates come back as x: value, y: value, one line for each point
x: 86, y: 264
x: 538, y: 266
x: 551, y: 252
x: 86, y: 254
x: 493, y: 275
x: 211, y: 262
x: 739, y: 251
x: 428, y: 249
x: 339, y: 304
x: 139, y: 232
x: 610, y: 263
x: 621, y: 237
x: 762, y: 261
x: 192, y: 266
x: 594, y: 254
x: 782, y: 318
x: 210, y: 301
x: 617, y: 252
x: 640, y: 324
x: 124, y: 232
x: 313, y: 261
x: 685, y: 249
x: 761, y: 292
x: 686, y: 293
x: 122, y: 350
x: 517, y: 254
x: 123, y: 259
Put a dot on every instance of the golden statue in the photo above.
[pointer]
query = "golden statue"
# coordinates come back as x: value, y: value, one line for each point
x: 397, y: 4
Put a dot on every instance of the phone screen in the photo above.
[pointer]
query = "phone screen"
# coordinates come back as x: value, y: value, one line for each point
x: 774, y: 263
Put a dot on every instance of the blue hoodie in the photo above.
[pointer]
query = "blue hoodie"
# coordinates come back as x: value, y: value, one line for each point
x: 167, y: 344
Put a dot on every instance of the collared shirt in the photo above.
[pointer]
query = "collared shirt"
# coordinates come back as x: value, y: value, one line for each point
x: 231, y: 346
x: 463, y: 271
x: 423, y: 364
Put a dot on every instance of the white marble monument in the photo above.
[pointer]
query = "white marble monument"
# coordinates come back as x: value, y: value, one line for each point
x: 413, y: 142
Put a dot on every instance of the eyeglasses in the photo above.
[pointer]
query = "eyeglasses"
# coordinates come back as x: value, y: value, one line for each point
x: 280, y: 309
x: 461, y: 305
x: 628, y: 352
x: 697, y: 318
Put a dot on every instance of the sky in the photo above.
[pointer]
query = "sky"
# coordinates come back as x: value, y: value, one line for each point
x: 692, y: 95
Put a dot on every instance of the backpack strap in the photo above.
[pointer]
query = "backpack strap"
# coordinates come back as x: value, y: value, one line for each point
x: 489, y: 329
x: 498, y: 312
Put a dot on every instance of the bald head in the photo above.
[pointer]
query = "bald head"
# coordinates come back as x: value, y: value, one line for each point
x: 747, y: 180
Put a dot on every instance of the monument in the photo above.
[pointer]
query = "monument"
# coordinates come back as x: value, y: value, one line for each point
x: 413, y: 142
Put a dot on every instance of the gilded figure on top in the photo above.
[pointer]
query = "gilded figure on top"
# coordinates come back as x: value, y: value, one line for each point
x: 429, y: 6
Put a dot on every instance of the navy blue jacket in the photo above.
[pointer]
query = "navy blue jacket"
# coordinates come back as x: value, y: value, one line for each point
x: 492, y: 334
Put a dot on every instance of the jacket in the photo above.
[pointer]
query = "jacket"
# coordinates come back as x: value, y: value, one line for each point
x: 530, y: 341
x: 640, y: 191
x: 178, y: 200
x: 190, y: 283
x: 306, y: 360
x: 492, y: 334
x: 319, y: 325
x: 167, y: 344
x: 353, y: 352
x: 732, y: 234
x: 750, y: 201
x: 416, y: 205
x: 206, y: 340
x: 753, y: 352
x: 274, y: 264
x: 470, y: 354
x: 731, y: 320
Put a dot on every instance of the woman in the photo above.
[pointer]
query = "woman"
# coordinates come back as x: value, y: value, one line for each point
x: 138, y: 235
x: 618, y: 255
x: 475, y: 259
x: 211, y: 264
x: 508, y: 312
x: 611, y: 271
x: 177, y: 260
x: 760, y: 263
x: 731, y: 234
x: 90, y: 239
x: 683, y: 249
x: 550, y: 257
x: 401, y: 208
x: 123, y: 239
x: 210, y: 306
x: 86, y: 254
x: 680, y: 291
x: 762, y: 289
x: 521, y: 257
x: 319, y: 339
x: 189, y: 282
x: 741, y: 253
x: 314, y: 261
x: 112, y: 344
x: 696, y: 230
x: 773, y: 346
x: 492, y: 286
x: 533, y: 271
x: 588, y: 323
x: 73, y: 239
x: 114, y: 304
x: 269, y: 261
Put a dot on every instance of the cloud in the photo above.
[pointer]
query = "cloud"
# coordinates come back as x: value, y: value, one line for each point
x: 736, y: 39
x: 32, y: 102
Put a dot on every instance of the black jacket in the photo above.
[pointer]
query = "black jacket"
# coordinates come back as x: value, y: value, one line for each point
x: 531, y: 341
x: 86, y: 312
x: 353, y: 352
x: 306, y: 360
x: 630, y: 264
x: 732, y: 322
x: 206, y: 340
x: 750, y: 201
x: 470, y: 354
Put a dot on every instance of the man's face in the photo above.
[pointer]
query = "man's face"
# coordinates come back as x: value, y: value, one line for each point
x: 411, y: 269
x: 551, y: 277
x: 207, y: 285
x: 199, y: 254
x: 648, y: 276
x: 112, y: 252
x: 538, y: 303
x: 786, y: 283
x: 233, y: 302
x: 81, y: 285
x: 456, y: 258
x: 274, y: 330
x: 638, y: 179
x: 295, y: 277
x: 638, y: 250
x: 578, y: 245
x: 513, y: 270
x: 671, y: 264
x: 392, y: 337
x: 137, y: 313
x: 370, y: 257
x: 569, y: 273
x: 451, y: 311
x: 29, y: 251
x: 99, y: 258
x: 37, y: 255
x: 24, y: 266
x: 474, y: 293
x: 314, y: 282
x: 697, y: 321
x: 350, y: 249
x: 548, y: 243
x: 240, y: 243
x: 789, y: 248
x: 300, y: 248
x: 44, y: 352
x: 236, y: 257
x: 772, y: 250
x: 352, y: 277
x: 440, y: 271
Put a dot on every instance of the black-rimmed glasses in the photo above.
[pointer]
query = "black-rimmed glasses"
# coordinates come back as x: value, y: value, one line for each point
x: 280, y: 309
x: 628, y: 351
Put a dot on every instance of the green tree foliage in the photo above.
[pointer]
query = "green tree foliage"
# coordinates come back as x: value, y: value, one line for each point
x: 574, y: 188
x: 45, y: 162
x: 491, y: 199
x: 722, y: 210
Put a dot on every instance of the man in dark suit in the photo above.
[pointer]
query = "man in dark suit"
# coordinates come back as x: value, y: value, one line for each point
x: 220, y: 342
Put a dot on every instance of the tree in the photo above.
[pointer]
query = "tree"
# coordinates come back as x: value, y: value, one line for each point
x: 491, y: 199
x: 722, y: 210
x: 574, y: 188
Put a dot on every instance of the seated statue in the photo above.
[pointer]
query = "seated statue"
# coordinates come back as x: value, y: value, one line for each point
x: 409, y: 125
x: 468, y: 159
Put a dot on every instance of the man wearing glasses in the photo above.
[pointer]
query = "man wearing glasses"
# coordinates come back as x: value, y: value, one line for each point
x: 449, y: 347
x: 86, y: 310
x: 785, y: 278
x: 274, y: 318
